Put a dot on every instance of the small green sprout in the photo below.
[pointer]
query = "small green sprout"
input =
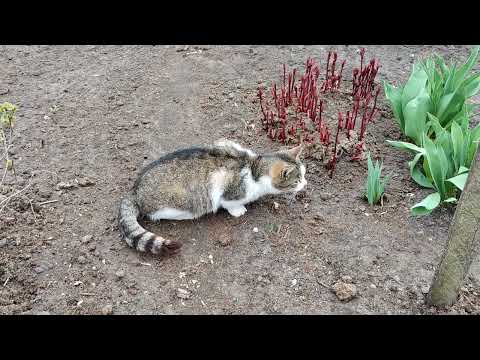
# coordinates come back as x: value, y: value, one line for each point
x: 375, y: 187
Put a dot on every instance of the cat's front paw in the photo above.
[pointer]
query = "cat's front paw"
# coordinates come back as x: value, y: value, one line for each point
x: 237, y: 211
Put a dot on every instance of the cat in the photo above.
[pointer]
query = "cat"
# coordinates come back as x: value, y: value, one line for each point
x: 192, y: 182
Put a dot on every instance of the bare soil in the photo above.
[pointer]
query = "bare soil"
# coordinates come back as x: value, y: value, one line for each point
x: 103, y: 112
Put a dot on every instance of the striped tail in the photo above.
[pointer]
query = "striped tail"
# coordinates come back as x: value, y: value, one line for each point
x: 136, y: 236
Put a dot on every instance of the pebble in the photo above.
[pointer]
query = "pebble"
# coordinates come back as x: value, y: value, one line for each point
x: 319, y: 217
x: 86, y: 239
x: 294, y: 282
x: 425, y: 289
x: 120, y: 274
x: 255, y: 230
x: 183, y: 294
x: 3, y: 242
x: 39, y: 269
x: 81, y: 259
x: 63, y: 185
x: 44, y: 194
x: 85, y: 182
x: 107, y: 310
x: 92, y: 247
x: 393, y: 288
x: 276, y: 205
x: 373, y: 286
x: 230, y: 96
x: 346, y: 278
x: 325, y: 196
x: 345, y: 292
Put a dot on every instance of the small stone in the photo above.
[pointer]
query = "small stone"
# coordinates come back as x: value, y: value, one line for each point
x: 91, y: 247
x: 120, y: 274
x: 85, y: 182
x: 393, y: 288
x: 3, y: 242
x: 107, y: 310
x: 294, y: 282
x: 81, y: 259
x: 44, y: 193
x: 319, y: 217
x: 183, y: 294
x: 346, y: 278
x: 63, y: 185
x: 373, y: 286
x: 345, y: 292
x: 425, y: 289
x: 362, y: 208
x: 255, y: 230
x: 230, y: 96
x: 86, y: 239
x: 325, y: 196
x: 39, y: 269
x: 276, y: 205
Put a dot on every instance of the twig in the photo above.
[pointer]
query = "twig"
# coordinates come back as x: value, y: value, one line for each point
x: 31, y: 207
x: 6, y: 281
x: 87, y: 294
x: 321, y: 283
x: 47, y: 202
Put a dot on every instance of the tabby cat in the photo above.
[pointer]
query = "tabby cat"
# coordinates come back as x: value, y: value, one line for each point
x: 189, y: 183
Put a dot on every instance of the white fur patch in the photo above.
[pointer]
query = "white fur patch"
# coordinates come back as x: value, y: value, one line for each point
x: 171, y: 214
x: 253, y: 189
x: 217, y: 186
x: 303, y: 182
x: 235, y: 146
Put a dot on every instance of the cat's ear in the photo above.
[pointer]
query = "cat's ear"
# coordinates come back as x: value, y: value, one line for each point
x: 295, y: 152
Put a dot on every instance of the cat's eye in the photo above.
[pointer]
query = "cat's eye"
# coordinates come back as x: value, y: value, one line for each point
x: 287, y: 172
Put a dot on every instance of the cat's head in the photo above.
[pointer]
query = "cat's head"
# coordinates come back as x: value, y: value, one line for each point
x: 287, y: 171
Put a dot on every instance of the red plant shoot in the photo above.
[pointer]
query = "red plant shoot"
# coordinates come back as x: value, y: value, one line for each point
x: 296, y: 112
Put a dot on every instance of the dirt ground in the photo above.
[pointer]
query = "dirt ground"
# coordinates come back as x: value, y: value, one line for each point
x: 100, y: 113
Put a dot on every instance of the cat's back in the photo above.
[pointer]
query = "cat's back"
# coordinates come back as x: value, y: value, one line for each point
x: 184, y: 172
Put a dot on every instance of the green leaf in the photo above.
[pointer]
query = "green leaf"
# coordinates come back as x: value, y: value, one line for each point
x: 449, y: 105
x: 415, y: 116
x: 417, y: 175
x: 406, y: 146
x: 467, y: 67
x: 394, y: 95
x: 471, y: 86
x: 435, y: 124
x: 459, y: 180
x: 415, y: 84
x: 458, y: 145
x: 427, y: 205
x: 436, y: 165
x: 450, y: 200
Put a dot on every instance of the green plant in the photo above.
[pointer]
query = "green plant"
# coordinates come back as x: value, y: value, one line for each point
x: 435, y: 88
x: 7, y: 120
x: 432, y: 110
x: 375, y: 187
x: 446, y: 162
